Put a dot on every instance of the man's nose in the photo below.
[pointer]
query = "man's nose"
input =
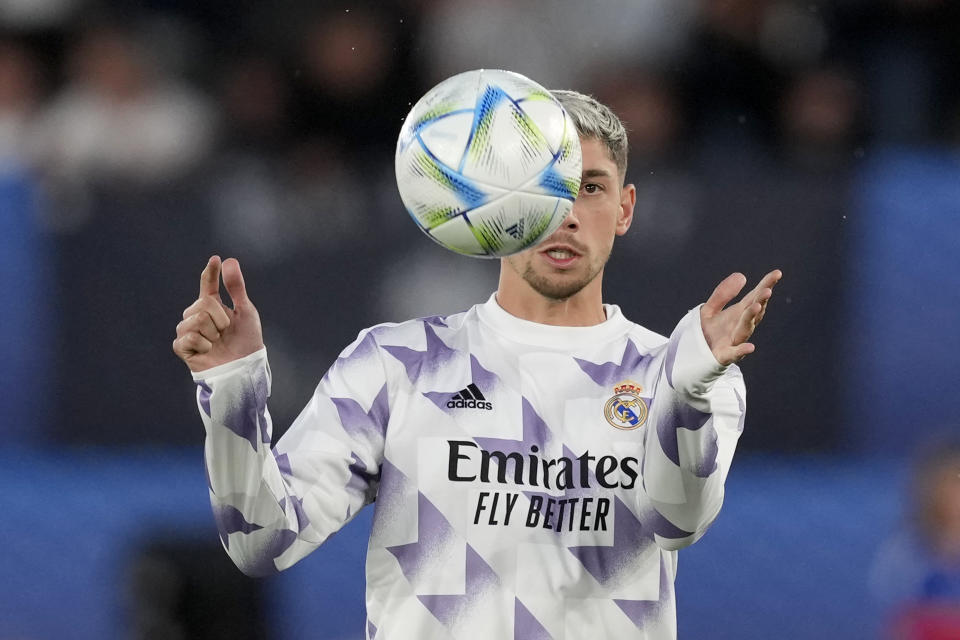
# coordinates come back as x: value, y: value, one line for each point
x: 572, y: 222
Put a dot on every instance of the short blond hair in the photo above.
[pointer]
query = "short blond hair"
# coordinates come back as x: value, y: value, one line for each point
x: 594, y: 119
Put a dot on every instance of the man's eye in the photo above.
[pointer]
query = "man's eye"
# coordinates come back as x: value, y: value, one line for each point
x: 590, y: 187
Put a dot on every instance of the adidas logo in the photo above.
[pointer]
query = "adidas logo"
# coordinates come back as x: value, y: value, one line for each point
x: 516, y: 230
x: 469, y: 398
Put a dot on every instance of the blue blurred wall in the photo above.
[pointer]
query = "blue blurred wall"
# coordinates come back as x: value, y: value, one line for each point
x: 26, y: 322
x: 902, y: 341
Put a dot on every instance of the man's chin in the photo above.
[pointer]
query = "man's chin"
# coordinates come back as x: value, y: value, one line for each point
x: 557, y: 287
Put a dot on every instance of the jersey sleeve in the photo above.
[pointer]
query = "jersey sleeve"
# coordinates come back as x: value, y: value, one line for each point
x: 274, y: 506
x: 695, y: 422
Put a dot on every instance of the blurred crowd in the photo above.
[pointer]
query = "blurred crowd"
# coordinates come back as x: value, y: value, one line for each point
x: 139, y: 137
x: 916, y: 573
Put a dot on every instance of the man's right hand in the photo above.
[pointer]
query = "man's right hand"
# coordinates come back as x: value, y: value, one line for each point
x: 212, y: 333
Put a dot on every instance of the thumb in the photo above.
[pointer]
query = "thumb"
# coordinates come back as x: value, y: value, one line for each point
x: 233, y: 281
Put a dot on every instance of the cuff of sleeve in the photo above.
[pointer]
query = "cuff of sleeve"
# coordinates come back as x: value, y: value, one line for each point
x: 692, y: 369
x: 235, y: 367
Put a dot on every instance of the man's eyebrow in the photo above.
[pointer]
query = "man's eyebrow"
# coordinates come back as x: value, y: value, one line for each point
x: 596, y: 173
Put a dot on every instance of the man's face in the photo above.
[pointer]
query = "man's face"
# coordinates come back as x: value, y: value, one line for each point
x: 575, y: 254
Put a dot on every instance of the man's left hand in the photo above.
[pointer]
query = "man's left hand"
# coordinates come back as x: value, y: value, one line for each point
x: 727, y: 330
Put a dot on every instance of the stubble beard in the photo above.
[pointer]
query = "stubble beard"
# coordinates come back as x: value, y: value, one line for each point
x: 557, y: 289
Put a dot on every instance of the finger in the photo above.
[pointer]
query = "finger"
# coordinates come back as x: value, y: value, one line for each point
x: 233, y: 281
x: 742, y: 351
x: 766, y: 282
x: 724, y: 293
x: 746, y: 324
x: 764, y: 299
x: 201, y: 323
x: 729, y: 355
x: 191, y: 344
x: 216, y: 309
x: 210, y: 278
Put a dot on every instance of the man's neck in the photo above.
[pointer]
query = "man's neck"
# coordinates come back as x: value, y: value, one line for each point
x: 582, y: 309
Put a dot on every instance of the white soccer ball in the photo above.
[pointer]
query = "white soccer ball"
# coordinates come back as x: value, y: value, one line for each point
x: 488, y: 163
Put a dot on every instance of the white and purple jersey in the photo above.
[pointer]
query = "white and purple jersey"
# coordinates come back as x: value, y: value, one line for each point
x: 529, y: 481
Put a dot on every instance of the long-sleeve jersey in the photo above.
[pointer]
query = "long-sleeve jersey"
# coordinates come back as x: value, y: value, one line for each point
x: 529, y: 481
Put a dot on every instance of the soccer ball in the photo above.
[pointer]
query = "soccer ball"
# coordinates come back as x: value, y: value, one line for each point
x: 488, y: 163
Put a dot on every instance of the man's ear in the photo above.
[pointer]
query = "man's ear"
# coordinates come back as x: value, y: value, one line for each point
x: 628, y: 200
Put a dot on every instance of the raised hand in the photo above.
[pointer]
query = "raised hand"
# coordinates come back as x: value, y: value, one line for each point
x: 211, y: 333
x: 727, y: 330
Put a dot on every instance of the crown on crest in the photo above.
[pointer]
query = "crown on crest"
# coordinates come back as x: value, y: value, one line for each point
x: 628, y: 386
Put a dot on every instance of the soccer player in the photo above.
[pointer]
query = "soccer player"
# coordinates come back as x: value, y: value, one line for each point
x: 535, y: 462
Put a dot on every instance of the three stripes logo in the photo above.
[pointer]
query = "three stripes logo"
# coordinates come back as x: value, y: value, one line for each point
x: 516, y: 230
x: 469, y: 398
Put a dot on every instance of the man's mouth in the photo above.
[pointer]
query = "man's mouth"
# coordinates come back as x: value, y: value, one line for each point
x: 560, y: 255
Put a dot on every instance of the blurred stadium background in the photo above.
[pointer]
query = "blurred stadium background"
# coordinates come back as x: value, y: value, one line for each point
x: 137, y: 137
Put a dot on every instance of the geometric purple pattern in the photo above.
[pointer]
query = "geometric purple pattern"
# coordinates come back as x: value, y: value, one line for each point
x: 365, y: 426
x: 743, y: 410
x: 371, y: 630
x: 706, y: 462
x: 437, y: 321
x: 263, y: 564
x: 610, y: 564
x: 654, y: 523
x: 480, y: 580
x: 244, y: 417
x: 203, y: 394
x: 261, y: 394
x: 297, y: 504
x: 283, y: 463
x: 610, y: 373
x: 361, y: 481
x: 484, y: 380
x: 525, y: 626
x: 441, y: 398
x: 641, y: 612
x: 433, y: 535
x: 230, y: 520
x: 206, y: 471
x: 390, y: 506
x: 672, y: 347
x: 366, y: 348
x: 535, y: 431
x: 418, y: 363
x: 678, y: 415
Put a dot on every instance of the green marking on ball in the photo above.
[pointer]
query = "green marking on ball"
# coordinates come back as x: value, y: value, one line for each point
x: 537, y: 228
x: 539, y: 96
x: 529, y: 130
x: 481, y: 137
x: 435, y: 112
x: 488, y: 241
x: 432, y: 170
x: 431, y: 218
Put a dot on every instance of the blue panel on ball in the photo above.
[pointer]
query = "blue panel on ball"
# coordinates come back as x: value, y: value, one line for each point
x: 554, y: 184
x: 482, y: 114
x: 464, y: 188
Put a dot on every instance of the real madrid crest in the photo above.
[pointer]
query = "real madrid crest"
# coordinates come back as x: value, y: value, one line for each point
x: 626, y: 409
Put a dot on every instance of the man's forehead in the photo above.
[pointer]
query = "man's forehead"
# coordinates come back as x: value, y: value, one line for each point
x: 597, y: 159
